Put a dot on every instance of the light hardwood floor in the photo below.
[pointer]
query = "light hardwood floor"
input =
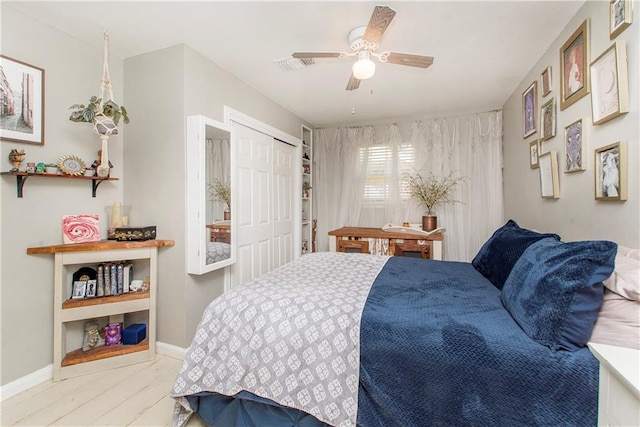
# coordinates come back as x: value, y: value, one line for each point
x: 135, y: 395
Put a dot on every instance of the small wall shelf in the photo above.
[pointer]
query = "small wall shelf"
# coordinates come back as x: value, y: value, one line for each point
x: 21, y: 177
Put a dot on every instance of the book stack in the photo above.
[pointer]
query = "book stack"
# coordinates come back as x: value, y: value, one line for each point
x: 114, y: 278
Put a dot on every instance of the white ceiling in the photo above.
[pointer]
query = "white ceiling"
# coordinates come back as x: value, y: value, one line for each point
x: 482, y: 49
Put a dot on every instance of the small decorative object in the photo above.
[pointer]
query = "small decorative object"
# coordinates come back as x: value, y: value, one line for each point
x: 20, y: 78
x: 103, y: 113
x: 534, y: 151
x: 16, y: 158
x: 113, y: 334
x: 549, y: 185
x: 574, y: 58
x: 51, y: 168
x: 545, y: 79
x: 71, y: 165
x: 574, y: 147
x: 97, y: 163
x: 40, y: 168
x: 89, y: 172
x: 548, y: 120
x: 79, y: 289
x: 134, y: 334
x: 136, y: 285
x: 146, y: 284
x: 609, y: 84
x: 306, y: 190
x: 31, y: 167
x: 80, y: 228
x: 529, y: 108
x: 620, y: 16
x: 611, y: 171
x: 118, y: 217
x: 432, y: 191
x: 92, y: 337
x: 135, y: 233
x: 91, y: 288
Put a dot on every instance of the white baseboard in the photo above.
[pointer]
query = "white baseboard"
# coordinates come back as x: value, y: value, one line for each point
x: 46, y: 374
x: 21, y: 384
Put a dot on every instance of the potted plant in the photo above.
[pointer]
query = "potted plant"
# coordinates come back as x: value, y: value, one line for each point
x: 432, y: 191
x: 220, y: 191
x: 87, y: 113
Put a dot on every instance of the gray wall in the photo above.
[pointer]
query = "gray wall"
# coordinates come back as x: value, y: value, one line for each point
x: 576, y: 215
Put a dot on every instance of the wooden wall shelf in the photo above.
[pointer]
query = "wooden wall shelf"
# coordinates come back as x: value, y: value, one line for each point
x: 21, y: 178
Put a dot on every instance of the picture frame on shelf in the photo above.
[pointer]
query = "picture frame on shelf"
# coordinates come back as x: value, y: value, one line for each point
x: 545, y: 81
x: 610, y: 84
x: 574, y: 69
x: 620, y: 16
x: 574, y: 146
x: 549, y: 180
x: 548, y: 120
x: 534, y: 152
x: 79, y: 289
x: 26, y: 124
x: 92, y: 288
x: 610, y: 172
x: 529, y: 109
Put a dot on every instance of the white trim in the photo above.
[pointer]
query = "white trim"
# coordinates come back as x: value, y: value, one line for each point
x: 24, y: 383
x: 231, y: 115
x: 171, y: 350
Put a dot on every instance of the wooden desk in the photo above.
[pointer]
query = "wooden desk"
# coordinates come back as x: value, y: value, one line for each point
x: 220, y: 231
x: 399, y: 242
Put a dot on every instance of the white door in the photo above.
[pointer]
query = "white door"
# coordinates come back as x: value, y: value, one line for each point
x: 253, y: 217
x: 283, y: 183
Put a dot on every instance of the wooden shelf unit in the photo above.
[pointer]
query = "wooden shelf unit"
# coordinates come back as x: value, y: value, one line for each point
x: 307, y: 243
x: 21, y: 178
x: 69, y: 258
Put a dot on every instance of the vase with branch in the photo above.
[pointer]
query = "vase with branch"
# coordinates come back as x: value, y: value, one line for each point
x: 432, y: 191
x: 220, y: 191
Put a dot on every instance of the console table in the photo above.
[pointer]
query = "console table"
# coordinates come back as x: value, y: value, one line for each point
x: 379, y: 241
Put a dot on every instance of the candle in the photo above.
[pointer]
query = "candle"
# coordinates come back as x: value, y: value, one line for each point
x: 116, y: 215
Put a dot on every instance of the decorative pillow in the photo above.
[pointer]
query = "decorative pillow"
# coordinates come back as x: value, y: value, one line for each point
x: 625, y: 280
x: 497, y: 256
x: 555, y: 290
x: 618, y: 322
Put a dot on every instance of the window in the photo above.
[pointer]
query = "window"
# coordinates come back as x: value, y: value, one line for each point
x: 386, y: 168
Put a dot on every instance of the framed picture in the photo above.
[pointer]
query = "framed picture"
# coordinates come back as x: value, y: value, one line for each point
x: 545, y: 80
x: 610, y: 84
x: 549, y: 185
x: 574, y: 61
x: 548, y: 120
x: 92, y: 288
x: 534, y: 152
x: 529, y: 108
x: 611, y: 171
x: 620, y: 15
x: 79, y: 289
x: 22, y: 108
x: 574, y: 148
x: 80, y: 228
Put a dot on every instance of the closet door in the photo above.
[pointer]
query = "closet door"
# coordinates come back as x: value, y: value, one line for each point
x: 283, y: 155
x: 253, y: 219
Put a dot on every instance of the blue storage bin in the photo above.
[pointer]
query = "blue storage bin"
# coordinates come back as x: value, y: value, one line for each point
x: 134, y: 334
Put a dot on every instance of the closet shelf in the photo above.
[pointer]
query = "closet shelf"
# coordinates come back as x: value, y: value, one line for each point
x: 21, y: 178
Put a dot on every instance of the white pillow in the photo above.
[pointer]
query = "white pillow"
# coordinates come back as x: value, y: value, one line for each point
x: 618, y: 322
x: 625, y: 280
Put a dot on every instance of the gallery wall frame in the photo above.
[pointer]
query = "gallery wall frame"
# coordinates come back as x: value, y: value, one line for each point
x: 548, y: 120
x: 610, y: 172
x: 22, y: 106
x: 620, y: 16
x: 610, y: 84
x: 545, y: 81
x: 574, y: 69
x: 534, y: 152
x: 529, y: 109
x: 549, y: 180
x: 574, y: 148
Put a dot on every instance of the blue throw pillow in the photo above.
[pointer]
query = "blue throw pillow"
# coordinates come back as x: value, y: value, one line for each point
x: 554, y: 291
x: 497, y: 256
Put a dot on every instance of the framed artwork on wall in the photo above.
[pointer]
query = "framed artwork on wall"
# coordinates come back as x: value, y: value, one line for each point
x: 574, y: 147
x: 548, y: 120
x: 574, y: 70
x: 611, y: 171
x: 549, y: 184
x: 534, y: 152
x: 610, y: 84
x: 545, y: 80
x: 22, y: 108
x: 529, y: 108
x: 620, y: 16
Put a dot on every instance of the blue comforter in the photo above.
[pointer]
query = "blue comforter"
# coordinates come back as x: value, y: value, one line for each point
x: 439, y: 349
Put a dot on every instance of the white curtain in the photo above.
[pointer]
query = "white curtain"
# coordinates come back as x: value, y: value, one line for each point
x: 469, y: 146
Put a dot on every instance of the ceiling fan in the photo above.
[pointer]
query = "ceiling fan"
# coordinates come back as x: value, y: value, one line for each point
x: 363, y: 42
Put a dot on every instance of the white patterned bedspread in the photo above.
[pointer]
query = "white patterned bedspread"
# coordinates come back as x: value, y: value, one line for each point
x: 292, y: 336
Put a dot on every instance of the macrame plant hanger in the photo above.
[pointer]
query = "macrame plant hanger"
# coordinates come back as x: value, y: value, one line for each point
x: 102, y: 124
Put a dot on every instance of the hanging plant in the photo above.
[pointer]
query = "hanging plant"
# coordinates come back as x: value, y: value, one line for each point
x: 87, y: 113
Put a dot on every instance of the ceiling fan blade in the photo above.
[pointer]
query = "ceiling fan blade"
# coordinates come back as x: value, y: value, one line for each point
x: 353, y: 83
x: 380, y: 20
x: 305, y: 55
x: 410, y: 60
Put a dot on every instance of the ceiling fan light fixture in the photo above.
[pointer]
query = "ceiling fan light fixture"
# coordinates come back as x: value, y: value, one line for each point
x: 364, y: 68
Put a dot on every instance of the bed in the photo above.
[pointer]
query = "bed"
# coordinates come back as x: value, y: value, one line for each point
x: 346, y: 339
